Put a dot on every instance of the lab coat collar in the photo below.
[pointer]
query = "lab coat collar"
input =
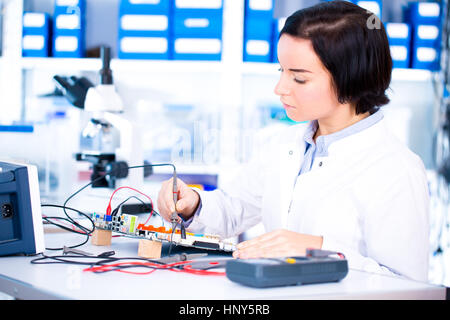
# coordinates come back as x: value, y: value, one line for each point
x: 322, y: 143
x: 292, y: 155
x: 364, y: 139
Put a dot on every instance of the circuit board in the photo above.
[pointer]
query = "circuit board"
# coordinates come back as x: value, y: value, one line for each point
x: 128, y: 225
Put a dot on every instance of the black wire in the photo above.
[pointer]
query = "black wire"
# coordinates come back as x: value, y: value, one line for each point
x: 171, y: 236
x: 162, y: 220
x: 69, y: 219
x: 81, y: 189
x: 67, y: 259
x: 59, y: 259
x: 154, y: 165
x: 108, y: 173
x: 47, y: 218
x: 64, y: 207
x: 116, y: 210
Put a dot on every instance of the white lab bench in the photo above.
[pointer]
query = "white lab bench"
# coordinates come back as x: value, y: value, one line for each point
x: 23, y: 280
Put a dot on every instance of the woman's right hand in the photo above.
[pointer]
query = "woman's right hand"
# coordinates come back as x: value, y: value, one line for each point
x: 188, y: 200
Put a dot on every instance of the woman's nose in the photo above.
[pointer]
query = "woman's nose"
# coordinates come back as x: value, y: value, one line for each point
x: 281, y: 89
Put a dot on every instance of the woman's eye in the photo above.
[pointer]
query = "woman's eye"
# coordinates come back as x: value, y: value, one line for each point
x: 296, y: 80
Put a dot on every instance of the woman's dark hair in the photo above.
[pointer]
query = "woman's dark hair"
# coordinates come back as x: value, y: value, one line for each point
x: 352, y: 44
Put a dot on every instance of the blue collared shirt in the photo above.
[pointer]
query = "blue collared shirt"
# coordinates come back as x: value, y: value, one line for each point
x: 320, y: 147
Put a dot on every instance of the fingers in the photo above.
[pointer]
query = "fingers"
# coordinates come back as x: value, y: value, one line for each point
x: 186, y: 204
x: 278, y: 243
x: 258, y: 241
x: 263, y: 238
x: 165, y: 199
x: 181, y: 205
x: 264, y: 252
x: 262, y: 247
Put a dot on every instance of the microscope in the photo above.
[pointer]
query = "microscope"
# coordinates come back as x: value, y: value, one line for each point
x: 109, y: 140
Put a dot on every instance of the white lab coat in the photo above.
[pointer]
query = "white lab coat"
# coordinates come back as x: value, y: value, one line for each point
x: 369, y: 199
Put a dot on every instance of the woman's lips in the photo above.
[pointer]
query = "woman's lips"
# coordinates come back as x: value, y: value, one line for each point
x: 287, y: 106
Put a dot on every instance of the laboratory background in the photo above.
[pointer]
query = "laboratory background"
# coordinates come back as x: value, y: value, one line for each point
x: 194, y: 86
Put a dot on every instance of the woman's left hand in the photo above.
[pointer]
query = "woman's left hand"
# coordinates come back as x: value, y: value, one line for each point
x: 278, y: 243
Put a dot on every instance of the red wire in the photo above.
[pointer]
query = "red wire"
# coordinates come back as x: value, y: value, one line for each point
x: 108, y: 209
x: 186, y: 269
x: 106, y: 267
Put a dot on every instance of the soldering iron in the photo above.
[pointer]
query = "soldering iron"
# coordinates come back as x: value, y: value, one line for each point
x: 174, y: 217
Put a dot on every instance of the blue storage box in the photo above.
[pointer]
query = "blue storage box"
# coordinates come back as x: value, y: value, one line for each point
x: 197, y: 48
x: 145, y: 29
x: 70, y: 7
x: 69, y: 24
x: 374, y: 6
x: 34, y: 45
x: 197, y: 24
x: 398, y: 33
x: 258, y: 27
x: 36, y: 35
x: 426, y: 58
x: 144, y: 48
x: 198, y: 18
x: 68, y: 46
x: 258, y: 50
x: 36, y: 23
x: 400, y: 56
x: 426, y: 36
x: 258, y: 31
x: 399, y: 36
x: 144, y: 25
x: 144, y: 36
x: 69, y: 42
x: 202, y: 7
x: 69, y: 28
x: 145, y: 7
x: 262, y: 9
x: 423, y: 13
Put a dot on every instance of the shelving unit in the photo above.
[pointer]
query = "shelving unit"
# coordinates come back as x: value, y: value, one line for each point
x: 226, y: 76
x: 177, y: 66
x: 119, y: 65
x: 232, y: 77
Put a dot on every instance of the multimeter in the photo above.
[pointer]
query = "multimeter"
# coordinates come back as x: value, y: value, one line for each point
x: 286, y: 271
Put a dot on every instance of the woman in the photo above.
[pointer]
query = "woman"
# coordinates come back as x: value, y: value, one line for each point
x: 340, y: 182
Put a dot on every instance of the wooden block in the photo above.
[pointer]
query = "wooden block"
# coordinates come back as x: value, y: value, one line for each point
x: 101, y: 237
x: 149, y: 249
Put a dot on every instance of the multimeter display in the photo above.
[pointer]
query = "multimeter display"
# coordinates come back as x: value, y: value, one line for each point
x: 274, y: 272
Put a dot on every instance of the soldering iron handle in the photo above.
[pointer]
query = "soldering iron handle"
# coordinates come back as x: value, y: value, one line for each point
x: 174, y: 216
x: 175, y: 189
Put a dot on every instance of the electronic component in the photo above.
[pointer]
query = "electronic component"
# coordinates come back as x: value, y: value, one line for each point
x: 274, y: 272
x: 135, y: 208
x: 127, y: 225
x: 21, y: 229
